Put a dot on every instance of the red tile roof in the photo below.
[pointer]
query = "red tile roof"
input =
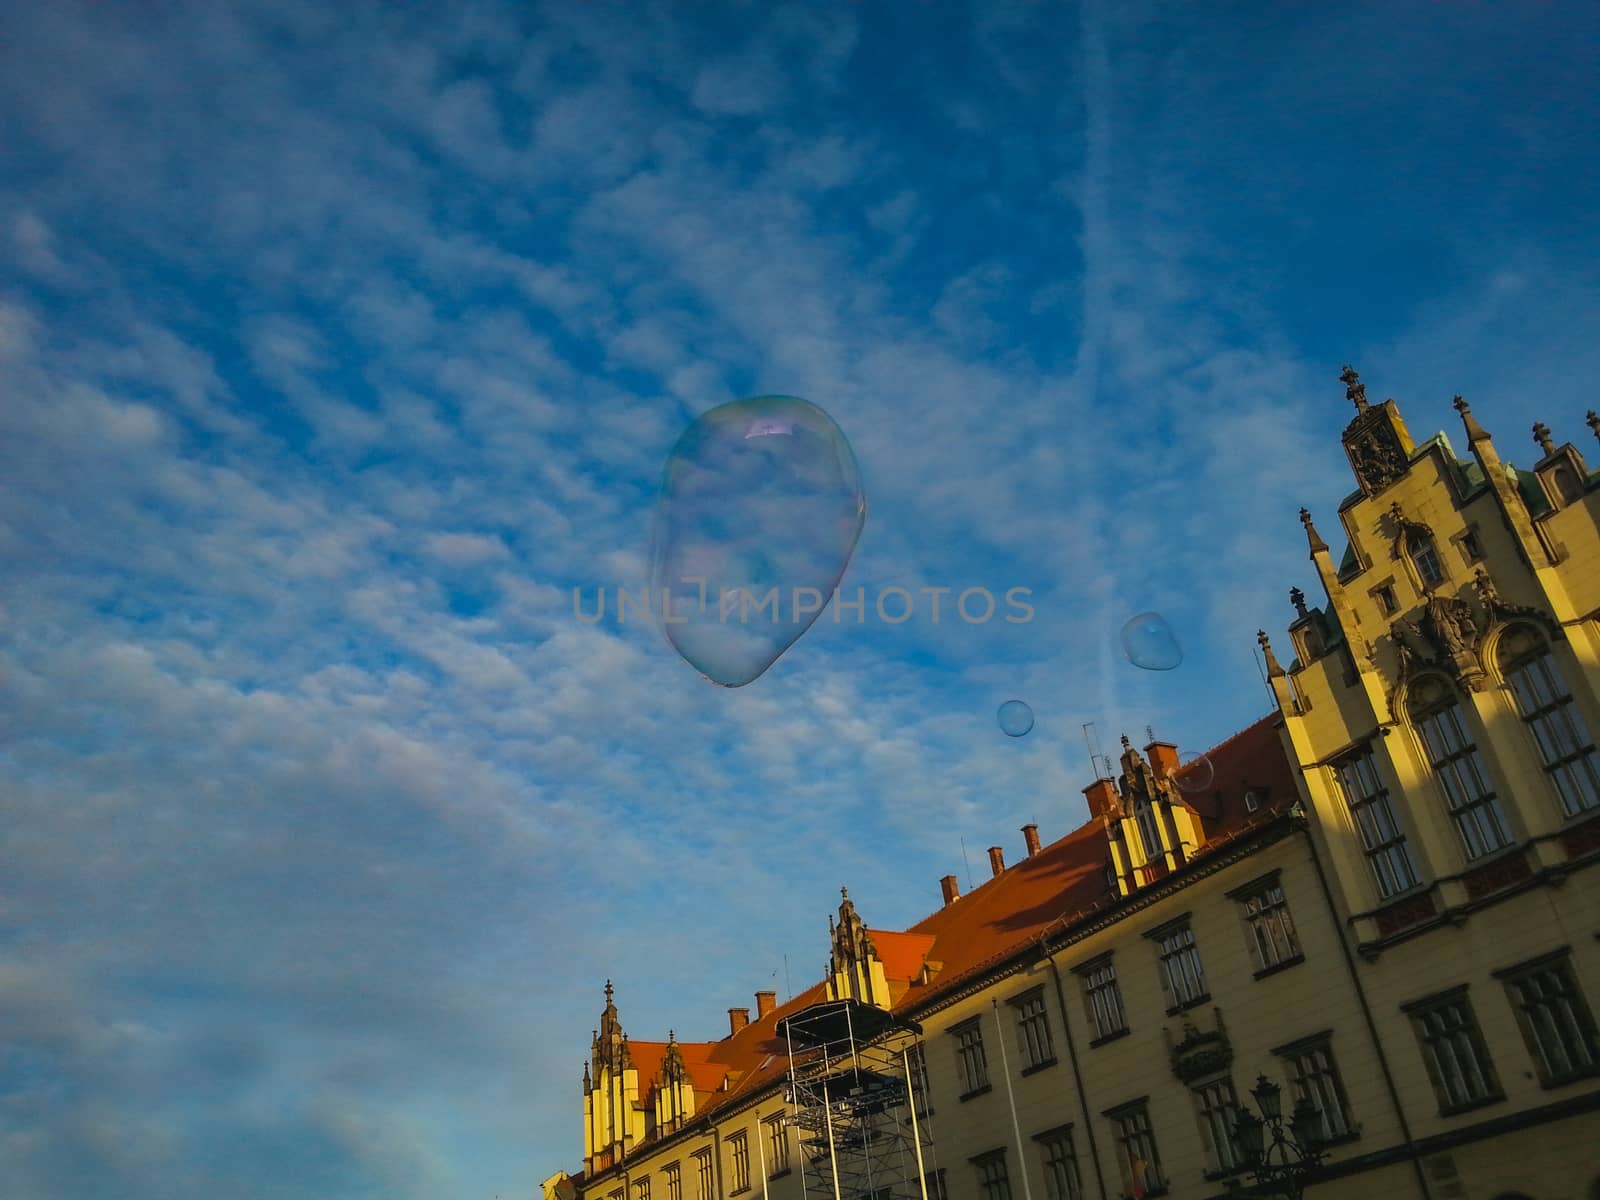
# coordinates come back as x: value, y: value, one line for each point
x: 982, y: 929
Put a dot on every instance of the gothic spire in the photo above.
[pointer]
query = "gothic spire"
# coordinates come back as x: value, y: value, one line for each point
x: 1475, y: 432
x: 1312, y: 536
x: 1298, y: 599
x: 1592, y: 420
x: 1273, y: 668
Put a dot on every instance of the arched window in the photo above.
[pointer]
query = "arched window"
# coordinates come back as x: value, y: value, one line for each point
x: 1436, y: 713
x: 1425, y: 558
x: 1568, y: 489
x: 1547, y: 709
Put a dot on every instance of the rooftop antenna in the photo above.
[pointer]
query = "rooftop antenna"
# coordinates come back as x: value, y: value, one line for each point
x: 787, y: 986
x: 966, y: 863
x: 1262, y: 671
x: 1094, y: 761
x: 1149, y: 733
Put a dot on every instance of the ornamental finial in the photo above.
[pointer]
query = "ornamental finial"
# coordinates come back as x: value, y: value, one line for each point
x: 1354, y: 389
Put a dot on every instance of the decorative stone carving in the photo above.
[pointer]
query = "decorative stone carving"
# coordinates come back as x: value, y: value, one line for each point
x: 1199, y: 1054
x: 1499, y: 610
x: 1375, y: 453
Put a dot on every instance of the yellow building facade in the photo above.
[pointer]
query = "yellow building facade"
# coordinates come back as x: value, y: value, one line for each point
x: 1376, y: 898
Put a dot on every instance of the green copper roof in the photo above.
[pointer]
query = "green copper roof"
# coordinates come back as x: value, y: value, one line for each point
x: 1532, y: 492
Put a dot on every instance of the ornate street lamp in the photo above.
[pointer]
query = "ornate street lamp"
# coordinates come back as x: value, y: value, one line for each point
x: 1283, y: 1165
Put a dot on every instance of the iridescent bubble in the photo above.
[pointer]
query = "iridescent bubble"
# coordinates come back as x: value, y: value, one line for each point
x: 1194, y: 774
x: 1015, y: 718
x: 761, y: 508
x: 1149, y: 642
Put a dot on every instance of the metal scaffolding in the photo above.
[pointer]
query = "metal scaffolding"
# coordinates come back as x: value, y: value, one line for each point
x: 851, y: 1083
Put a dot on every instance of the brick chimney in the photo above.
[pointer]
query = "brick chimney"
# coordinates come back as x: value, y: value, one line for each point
x: 997, y: 860
x: 765, y: 1003
x: 951, y: 890
x: 1103, y: 798
x: 1030, y: 834
x: 738, y: 1018
x: 1163, y: 758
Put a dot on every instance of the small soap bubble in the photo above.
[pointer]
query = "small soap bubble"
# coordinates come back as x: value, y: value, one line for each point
x: 1194, y: 773
x: 1015, y: 718
x: 760, y: 511
x: 1149, y: 642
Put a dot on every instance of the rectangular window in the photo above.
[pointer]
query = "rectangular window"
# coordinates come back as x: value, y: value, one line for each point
x: 917, y: 1057
x: 1315, y: 1077
x: 970, y: 1059
x: 1136, y: 1149
x: 739, y: 1147
x: 1381, y: 836
x: 1556, y: 1022
x: 1269, y: 927
x: 1060, y: 1160
x: 937, y: 1189
x: 1455, y: 761
x: 1219, y: 1108
x: 1386, y: 600
x: 1104, y: 999
x: 1547, y: 708
x: 993, y: 1182
x: 1471, y: 548
x: 777, y: 1146
x: 674, y: 1182
x: 1181, y: 974
x: 641, y: 1188
x: 705, y: 1187
x: 1033, y: 1031
x: 1453, y: 1051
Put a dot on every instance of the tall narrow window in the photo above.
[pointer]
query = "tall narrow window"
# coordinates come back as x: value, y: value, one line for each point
x: 917, y: 1057
x: 1269, y: 928
x: 1555, y: 1019
x: 1426, y: 559
x: 1136, y: 1149
x: 1033, y: 1031
x: 1060, y: 1161
x: 1381, y: 835
x: 777, y: 1145
x: 674, y: 1175
x: 1316, y: 1078
x: 993, y: 1181
x: 1144, y: 815
x: 1548, y: 710
x: 1103, y: 998
x: 641, y: 1188
x: 739, y: 1148
x: 1453, y: 1051
x: 705, y: 1187
x: 937, y: 1189
x: 970, y: 1059
x: 1454, y: 757
x: 1218, y: 1108
x: 1182, y: 977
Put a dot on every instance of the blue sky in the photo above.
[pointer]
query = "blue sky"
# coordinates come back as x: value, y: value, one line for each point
x: 338, y: 344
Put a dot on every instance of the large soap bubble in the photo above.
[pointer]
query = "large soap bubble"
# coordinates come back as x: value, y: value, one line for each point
x: 1149, y: 642
x: 1015, y: 718
x: 1194, y: 773
x: 761, y: 507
